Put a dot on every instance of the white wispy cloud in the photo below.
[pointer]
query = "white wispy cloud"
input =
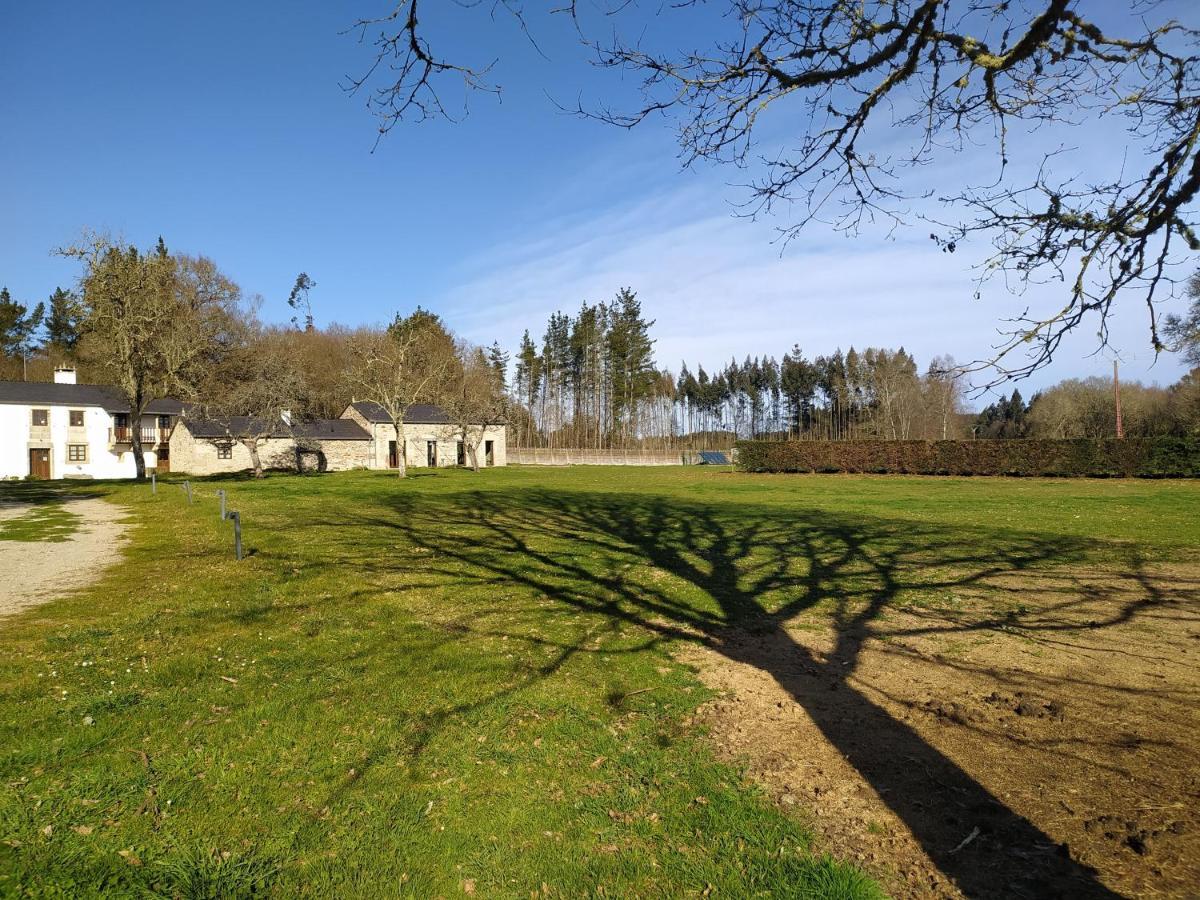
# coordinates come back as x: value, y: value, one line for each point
x: 719, y: 288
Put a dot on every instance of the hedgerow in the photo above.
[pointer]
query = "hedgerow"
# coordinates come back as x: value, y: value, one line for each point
x: 1084, y: 457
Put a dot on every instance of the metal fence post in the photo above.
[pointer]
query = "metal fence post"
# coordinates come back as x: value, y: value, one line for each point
x: 237, y: 533
x: 154, y: 482
x: 221, y: 494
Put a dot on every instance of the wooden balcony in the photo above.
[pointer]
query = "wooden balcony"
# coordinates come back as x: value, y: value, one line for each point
x: 123, y: 434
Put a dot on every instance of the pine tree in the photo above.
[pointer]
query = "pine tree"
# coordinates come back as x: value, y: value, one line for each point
x: 18, y: 328
x: 64, y: 321
x: 528, y: 383
x: 498, y: 360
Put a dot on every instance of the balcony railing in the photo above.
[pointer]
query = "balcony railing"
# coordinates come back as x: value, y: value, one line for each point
x: 123, y: 434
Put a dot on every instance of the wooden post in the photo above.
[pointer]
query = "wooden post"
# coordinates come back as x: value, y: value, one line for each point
x: 1117, y: 401
x: 221, y: 494
x: 187, y: 486
x: 154, y: 482
x: 237, y: 533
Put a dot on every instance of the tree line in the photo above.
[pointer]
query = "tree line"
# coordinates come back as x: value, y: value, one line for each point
x: 159, y: 324
x: 592, y: 382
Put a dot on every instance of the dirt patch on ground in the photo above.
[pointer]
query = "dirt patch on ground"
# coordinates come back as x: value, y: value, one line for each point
x: 37, y: 571
x: 1050, y: 751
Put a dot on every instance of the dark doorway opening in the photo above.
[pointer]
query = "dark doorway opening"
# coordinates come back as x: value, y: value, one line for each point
x: 489, y: 458
x: 431, y: 454
x: 393, y: 456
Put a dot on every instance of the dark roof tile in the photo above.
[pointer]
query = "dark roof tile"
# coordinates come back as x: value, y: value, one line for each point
x: 417, y: 414
x: 316, y: 429
x: 54, y: 394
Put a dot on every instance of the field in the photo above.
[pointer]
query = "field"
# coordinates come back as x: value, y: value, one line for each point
x: 614, y: 682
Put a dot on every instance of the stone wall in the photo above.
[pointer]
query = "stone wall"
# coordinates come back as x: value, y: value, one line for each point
x: 199, y: 456
x: 525, y: 456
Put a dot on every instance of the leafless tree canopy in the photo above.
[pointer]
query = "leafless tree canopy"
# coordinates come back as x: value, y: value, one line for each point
x: 930, y: 77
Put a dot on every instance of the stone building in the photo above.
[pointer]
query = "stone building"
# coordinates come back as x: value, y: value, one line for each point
x: 363, y: 438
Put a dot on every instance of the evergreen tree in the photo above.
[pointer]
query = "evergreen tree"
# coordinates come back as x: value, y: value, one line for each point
x: 298, y: 299
x: 632, y: 373
x: 498, y: 360
x: 18, y: 328
x: 64, y: 321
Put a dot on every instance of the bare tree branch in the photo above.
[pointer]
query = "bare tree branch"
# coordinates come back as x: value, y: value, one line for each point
x: 942, y: 76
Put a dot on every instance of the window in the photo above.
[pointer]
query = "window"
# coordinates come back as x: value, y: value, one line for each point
x: 164, y: 423
x: 77, y: 418
x: 77, y: 452
x: 225, y: 451
x: 41, y: 418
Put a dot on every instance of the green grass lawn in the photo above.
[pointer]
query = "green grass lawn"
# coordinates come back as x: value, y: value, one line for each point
x: 463, y: 682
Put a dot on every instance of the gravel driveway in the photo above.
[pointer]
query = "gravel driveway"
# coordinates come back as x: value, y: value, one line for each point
x: 37, y: 571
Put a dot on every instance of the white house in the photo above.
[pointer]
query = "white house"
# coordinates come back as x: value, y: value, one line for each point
x: 68, y: 430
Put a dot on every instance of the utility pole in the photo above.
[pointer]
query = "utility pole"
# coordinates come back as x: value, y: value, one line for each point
x: 1117, y: 401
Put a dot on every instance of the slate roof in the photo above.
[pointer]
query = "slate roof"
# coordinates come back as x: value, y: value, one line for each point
x: 317, y: 429
x: 417, y: 414
x: 332, y: 430
x: 31, y: 393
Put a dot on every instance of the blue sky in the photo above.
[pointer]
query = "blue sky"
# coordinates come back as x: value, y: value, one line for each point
x: 223, y: 127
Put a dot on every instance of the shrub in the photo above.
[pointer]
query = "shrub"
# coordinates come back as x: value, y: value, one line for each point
x: 1082, y: 457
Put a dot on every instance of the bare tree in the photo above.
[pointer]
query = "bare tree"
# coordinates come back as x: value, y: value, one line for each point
x: 943, y: 390
x: 1183, y: 332
x: 935, y: 76
x: 155, y: 324
x: 473, y: 398
x: 260, y: 396
x: 400, y: 366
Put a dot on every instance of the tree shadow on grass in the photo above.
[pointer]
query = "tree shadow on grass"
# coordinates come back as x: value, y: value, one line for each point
x: 732, y: 579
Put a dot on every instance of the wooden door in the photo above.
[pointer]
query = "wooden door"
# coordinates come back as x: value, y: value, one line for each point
x: 163, y: 455
x: 39, y: 463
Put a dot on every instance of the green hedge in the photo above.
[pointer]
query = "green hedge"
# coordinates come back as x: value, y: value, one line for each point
x: 1132, y: 457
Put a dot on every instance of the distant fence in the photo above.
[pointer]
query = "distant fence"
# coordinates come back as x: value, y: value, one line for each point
x: 1132, y: 457
x: 542, y: 456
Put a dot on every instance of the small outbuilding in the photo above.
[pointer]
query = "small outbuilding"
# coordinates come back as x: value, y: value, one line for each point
x: 209, y: 446
x: 429, y: 437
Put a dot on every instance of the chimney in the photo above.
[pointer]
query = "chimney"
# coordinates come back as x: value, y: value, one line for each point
x: 64, y: 375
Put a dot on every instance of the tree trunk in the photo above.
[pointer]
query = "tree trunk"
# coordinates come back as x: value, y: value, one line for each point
x: 401, y: 462
x: 252, y: 446
x: 135, y: 439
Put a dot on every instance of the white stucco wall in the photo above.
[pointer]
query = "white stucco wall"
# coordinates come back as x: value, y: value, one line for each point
x: 17, y: 436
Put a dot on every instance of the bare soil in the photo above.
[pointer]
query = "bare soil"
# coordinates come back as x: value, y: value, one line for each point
x: 34, y: 572
x: 1076, y: 720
